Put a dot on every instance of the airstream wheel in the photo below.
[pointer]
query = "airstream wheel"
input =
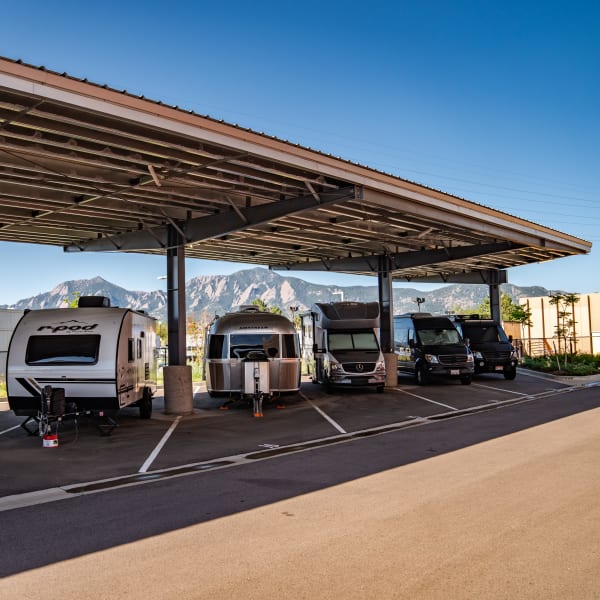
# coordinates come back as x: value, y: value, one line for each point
x: 145, y: 404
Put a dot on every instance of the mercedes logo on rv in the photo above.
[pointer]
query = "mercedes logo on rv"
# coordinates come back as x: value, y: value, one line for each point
x: 72, y: 325
x: 360, y: 367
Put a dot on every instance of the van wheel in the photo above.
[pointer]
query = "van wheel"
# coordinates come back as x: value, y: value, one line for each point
x: 145, y: 404
x: 510, y: 374
x: 466, y: 380
x: 380, y: 389
x: 421, y: 375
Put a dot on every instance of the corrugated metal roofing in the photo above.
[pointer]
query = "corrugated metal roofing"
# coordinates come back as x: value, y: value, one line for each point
x: 92, y: 168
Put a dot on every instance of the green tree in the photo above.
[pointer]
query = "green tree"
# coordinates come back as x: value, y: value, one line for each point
x: 263, y: 306
x: 565, y: 321
x: 508, y: 309
x: 73, y: 302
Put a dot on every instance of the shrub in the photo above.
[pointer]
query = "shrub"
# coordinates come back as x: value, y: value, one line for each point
x: 576, y: 364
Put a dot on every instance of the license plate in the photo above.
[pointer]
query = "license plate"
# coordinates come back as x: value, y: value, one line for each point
x: 454, y: 372
x: 499, y: 368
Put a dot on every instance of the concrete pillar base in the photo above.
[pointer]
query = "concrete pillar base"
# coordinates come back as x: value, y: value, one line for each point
x: 391, y: 369
x: 179, y: 395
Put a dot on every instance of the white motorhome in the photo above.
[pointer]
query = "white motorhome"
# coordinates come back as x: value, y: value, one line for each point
x: 103, y: 357
x: 340, y: 344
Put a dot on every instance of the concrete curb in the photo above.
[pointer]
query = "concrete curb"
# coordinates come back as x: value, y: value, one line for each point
x: 573, y: 380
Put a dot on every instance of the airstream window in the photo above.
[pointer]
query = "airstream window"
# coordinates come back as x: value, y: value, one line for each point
x: 289, y: 346
x: 216, y: 346
x: 242, y: 343
x: 62, y: 349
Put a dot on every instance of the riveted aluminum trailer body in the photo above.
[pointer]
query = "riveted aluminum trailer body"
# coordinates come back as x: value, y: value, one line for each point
x: 236, y: 339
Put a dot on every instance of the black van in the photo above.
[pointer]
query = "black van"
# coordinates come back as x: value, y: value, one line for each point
x: 492, y: 349
x: 428, y: 346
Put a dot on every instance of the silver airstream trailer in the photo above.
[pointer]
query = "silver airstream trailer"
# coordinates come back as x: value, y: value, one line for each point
x: 252, y: 354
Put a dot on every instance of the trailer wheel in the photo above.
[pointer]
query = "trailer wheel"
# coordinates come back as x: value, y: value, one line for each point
x: 145, y: 404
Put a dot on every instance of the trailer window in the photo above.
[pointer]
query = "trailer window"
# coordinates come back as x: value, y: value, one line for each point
x: 216, y: 346
x: 242, y: 343
x: 289, y: 346
x: 62, y: 350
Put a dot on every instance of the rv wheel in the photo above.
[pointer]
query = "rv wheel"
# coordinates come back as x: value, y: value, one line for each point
x: 466, y: 380
x: 510, y: 374
x: 145, y: 404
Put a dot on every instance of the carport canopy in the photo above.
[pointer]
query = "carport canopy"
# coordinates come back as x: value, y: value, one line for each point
x: 94, y: 169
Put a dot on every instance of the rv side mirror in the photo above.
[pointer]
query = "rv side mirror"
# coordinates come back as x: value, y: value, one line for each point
x: 467, y: 342
x: 315, y: 348
x: 411, y: 343
x: 510, y: 338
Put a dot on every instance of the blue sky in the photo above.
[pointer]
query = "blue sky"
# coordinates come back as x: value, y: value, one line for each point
x: 496, y: 102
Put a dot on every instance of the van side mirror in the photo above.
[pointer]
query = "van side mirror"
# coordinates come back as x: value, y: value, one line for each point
x: 315, y: 348
x: 467, y: 342
x: 510, y: 339
x: 411, y: 343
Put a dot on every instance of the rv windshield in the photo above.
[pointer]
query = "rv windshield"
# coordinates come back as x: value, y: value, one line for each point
x: 62, y: 349
x: 352, y: 340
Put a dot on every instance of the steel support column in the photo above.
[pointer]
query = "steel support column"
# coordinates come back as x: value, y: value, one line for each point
x: 176, y: 297
x: 386, y: 314
x: 494, y: 291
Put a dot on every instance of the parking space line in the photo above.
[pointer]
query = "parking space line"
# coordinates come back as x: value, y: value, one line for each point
x: 10, y: 429
x: 324, y: 415
x: 159, y: 446
x: 496, y: 389
x: 423, y: 398
x: 543, y: 377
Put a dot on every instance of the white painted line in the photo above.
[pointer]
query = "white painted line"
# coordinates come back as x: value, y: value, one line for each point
x: 325, y: 416
x: 423, y: 398
x: 33, y: 498
x: 159, y: 446
x: 10, y: 429
x: 491, y: 387
x: 197, y: 389
x: 545, y: 378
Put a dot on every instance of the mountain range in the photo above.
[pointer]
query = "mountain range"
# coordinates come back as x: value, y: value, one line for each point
x: 211, y: 295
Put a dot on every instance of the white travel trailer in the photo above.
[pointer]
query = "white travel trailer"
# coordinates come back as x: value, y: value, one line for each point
x: 99, y: 358
x: 340, y: 344
x: 252, y: 354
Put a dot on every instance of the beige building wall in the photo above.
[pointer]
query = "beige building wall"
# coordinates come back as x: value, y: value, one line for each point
x: 541, y: 336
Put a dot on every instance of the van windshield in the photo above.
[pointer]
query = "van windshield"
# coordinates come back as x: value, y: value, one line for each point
x: 483, y: 334
x: 62, y: 349
x: 438, y: 337
x: 353, y: 340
